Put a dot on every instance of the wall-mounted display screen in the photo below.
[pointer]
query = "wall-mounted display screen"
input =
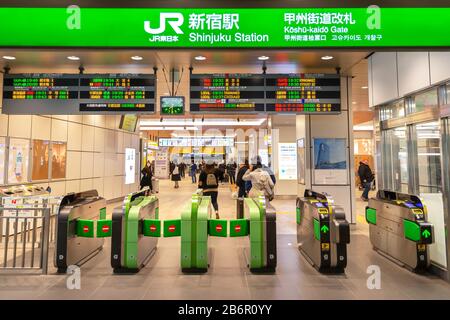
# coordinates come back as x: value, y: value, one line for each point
x: 19, y: 152
x: 303, y: 93
x: 330, y: 161
x: 287, y: 160
x: 172, y: 105
x: 59, y: 154
x: 39, y: 93
x: 128, y: 122
x: 117, y: 92
x: 234, y: 93
x: 40, y: 164
x: 130, y: 165
x: 196, y: 142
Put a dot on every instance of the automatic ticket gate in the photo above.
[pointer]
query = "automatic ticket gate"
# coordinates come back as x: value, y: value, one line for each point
x: 75, y: 243
x: 399, y: 228
x: 261, y: 252
x: 132, y: 245
x: 322, y: 232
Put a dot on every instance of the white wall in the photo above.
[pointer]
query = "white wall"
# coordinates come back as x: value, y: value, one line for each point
x: 95, y: 150
x: 393, y: 75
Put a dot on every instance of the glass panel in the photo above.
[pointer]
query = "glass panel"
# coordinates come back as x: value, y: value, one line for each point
x: 2, y: 159
x: 398, y: 109
x: 430, y: 187
x: 19, y: 150
x: 426, y: 100
x: 399, y: 160
x: 448, y: 93
x: 39, y: 170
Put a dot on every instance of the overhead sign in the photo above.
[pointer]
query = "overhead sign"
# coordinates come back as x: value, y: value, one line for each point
x: 303, y: 93
x: 225, y: 28
x: 227, y: 92
x: 46, y: 93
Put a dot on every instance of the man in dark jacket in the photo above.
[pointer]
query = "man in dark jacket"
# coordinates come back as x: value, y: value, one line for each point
x: 366, y: 176
x: 240, y: 183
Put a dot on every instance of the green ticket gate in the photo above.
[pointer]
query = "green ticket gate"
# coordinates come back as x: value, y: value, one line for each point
x: 399, y: 228
x: 75, y: 241
x: 135, y: 232
x: 322, y: 232
x: 259, y: 224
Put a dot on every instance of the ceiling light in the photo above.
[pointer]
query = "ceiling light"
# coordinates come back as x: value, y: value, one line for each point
x: 263, y: 58
x: 168, y: 129
x: 354, y: 102
x: 73, y: 58
x: 9, y: 58
x: 365, y: 87
x: 200, y: 58
x: 327, y: 57
x: 199, y: 122
x: 137, y: 58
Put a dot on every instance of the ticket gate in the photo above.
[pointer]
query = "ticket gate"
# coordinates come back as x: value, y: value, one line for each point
x: 75, y: 243
x: 131, y: 249
x: 399, y: 228
x: 322, y: 232
x: 194, y: 234
x: 261, y: 250
x: 22, y: 191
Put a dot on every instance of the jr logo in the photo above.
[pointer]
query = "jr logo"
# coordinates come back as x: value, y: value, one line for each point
x: 175, y: 20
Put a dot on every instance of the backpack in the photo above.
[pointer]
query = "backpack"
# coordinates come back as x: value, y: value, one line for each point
x: 263, y: 180
x: 211, y: 180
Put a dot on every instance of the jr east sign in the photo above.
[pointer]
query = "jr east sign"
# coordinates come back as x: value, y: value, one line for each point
x: 224, y: 28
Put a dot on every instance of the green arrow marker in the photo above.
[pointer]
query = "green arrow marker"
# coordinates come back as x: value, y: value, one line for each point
x: 426, y: 233
x: 324, y: 229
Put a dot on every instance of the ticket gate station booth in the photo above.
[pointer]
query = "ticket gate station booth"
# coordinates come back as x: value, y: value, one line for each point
x: 322, y: 232
x: 399, y: 229
x: 75, y: 243
x: 132, y: 245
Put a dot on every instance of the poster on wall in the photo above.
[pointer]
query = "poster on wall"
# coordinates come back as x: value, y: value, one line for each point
x: 40, y: 160
x: 2, y: 159
x: 330, y: 161
x: 301, y: 160
x: 59, y: 152
x: 19, y: 152
x: 287, y: 160
x: 162, y: 163
x: 130, y: 165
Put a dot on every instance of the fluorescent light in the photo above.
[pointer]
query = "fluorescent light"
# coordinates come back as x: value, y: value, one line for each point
x: 73, y: 58
x: 327, y: 57
x: 199, y: 122
x: 354, y: 102
x: 364, y: 87
x: 9, y: 58
x: 200, y: 58
x: 263, y: 58
x: 137, y: 58
x: 168, y: 128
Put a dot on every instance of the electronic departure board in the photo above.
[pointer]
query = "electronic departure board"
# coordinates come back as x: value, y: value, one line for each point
x: 117, y: 92
x: 303, y: 93
x: 227, y: 93
x: 39, y: 93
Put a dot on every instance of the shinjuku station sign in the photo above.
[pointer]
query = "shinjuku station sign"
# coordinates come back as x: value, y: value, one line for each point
x: 225, y: 28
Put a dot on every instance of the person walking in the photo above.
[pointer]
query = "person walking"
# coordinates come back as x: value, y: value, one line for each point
x: 208, y: 181
x: 366, y: 177
x: 182, y: 169
x: 231, y: 171
x: 175, y: 174
x: 240, y: 183
x: 147, y: 174
x: 193, y: 172
x: 262, y: 184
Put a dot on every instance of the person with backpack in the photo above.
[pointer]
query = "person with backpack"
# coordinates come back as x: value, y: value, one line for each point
x: 147, y: 174
x: 366, y: 176
x: 240, y: 183
x: 262, y: 184
x: 208, y: 181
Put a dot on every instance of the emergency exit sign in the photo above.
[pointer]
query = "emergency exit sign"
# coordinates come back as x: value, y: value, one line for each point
x: 225, y: 27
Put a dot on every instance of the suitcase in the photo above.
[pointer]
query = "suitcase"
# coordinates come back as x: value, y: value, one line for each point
x: 155, y: 185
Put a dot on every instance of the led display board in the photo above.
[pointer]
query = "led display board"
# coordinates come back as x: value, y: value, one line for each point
x: 234, y: 93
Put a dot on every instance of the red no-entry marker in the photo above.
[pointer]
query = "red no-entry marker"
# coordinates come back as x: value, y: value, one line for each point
x: 85, y: 229
x: 105, y: 229
x: 237, y: 228
x: 172, y: 228
x: 219, y: 228
x: 152, y: 228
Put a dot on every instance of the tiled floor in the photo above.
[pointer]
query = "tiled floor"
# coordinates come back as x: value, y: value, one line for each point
x: 228, y: 277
